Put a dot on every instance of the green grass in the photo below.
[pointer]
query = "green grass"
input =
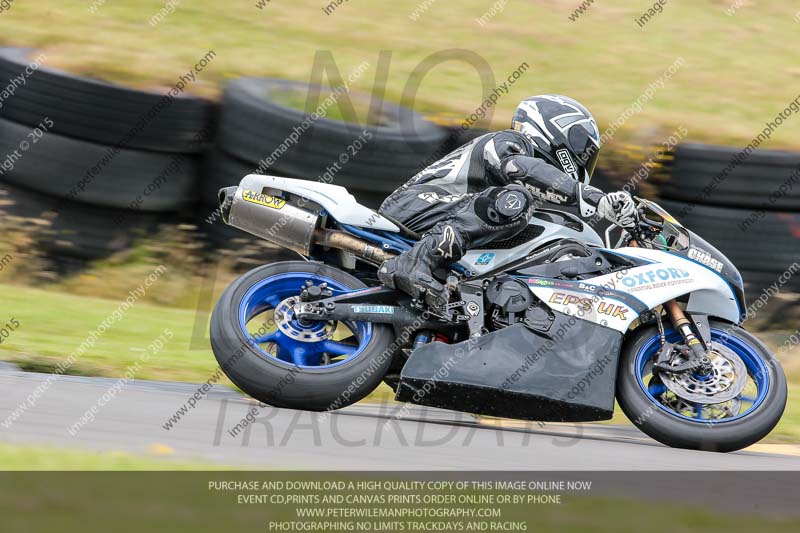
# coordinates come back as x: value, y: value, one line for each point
x: 740, y: 70
x: 53, y: 325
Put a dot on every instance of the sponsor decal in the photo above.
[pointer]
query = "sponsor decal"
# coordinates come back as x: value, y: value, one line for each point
x: 704, y: 258
x: 484, y: 259
x: 263, y: 199
x: 445, y: 247
x: 589, y: 304
x: 548, y: 195
x: 656, y: 278
x: 433, y: 197
x: 379, y: 309
x: 565, y: 160
x: 541, y: 282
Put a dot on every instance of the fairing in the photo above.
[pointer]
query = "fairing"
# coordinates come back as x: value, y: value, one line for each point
x: 548, y: 226
x: 616, y: 300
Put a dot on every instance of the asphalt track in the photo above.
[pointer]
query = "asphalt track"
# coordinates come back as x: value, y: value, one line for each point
x: 361, y: 437
x: 382, y: 438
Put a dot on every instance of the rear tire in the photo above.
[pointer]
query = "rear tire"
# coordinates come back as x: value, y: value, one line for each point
x: 282, y: 384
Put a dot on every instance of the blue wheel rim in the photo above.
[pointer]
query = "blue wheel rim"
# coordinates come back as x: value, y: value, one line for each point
x: 268, y: 293
x: 756, y: 368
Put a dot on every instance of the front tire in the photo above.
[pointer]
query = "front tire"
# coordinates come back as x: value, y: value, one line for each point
x: 723, y: 427
x: 306, y: 368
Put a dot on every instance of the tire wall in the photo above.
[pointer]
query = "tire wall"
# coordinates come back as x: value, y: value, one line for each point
x: 104, y: 165
x: 748, y: 206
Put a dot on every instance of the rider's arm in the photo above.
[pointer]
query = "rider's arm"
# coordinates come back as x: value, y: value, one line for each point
x: 508, y: 160
x: 549, y: 184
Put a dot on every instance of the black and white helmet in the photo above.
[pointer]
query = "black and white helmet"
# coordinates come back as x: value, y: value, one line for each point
x: 563, y: 131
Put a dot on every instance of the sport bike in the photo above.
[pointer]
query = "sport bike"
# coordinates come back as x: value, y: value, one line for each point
x: 553, y: 324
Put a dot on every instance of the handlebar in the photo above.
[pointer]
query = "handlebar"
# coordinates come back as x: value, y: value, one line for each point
x: 644, y: 231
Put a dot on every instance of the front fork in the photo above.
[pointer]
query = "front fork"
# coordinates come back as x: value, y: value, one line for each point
x: 699, y: 356
x: 684, y: 326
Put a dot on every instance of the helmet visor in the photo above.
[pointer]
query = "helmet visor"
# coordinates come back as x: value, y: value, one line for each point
x: 593, y: 154
x: 585, y: 147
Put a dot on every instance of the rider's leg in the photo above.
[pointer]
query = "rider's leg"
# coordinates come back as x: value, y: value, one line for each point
x: 494, y: 214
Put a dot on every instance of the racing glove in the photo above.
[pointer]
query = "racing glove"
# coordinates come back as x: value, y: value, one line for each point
x: 619, y: 208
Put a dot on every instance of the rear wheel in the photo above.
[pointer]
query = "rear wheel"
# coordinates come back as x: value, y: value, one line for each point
x: 735, y: 405
x: 286, y: 362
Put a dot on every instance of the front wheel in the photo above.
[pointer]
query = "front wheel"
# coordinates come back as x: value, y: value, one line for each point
x: 297, y: 364
x: 735, y: 405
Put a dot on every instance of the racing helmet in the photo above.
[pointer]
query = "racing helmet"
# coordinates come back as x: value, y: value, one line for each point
x: 563, y: 132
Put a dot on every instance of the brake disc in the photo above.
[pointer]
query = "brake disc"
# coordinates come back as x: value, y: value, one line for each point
x: 726, y: 380
x: 314, y: 331
x: 712, y: 411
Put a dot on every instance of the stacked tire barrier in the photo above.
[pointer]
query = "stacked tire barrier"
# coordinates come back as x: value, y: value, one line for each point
x: 103, y: 165
x: 261, y: 130
x: 371, y: 160
x: 96, y: 163
x: 748, y: 207
x: 92, y: 166
x: 74, y: 232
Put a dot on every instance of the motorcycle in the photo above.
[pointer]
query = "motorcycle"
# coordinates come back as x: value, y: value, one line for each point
x: 553, y: 324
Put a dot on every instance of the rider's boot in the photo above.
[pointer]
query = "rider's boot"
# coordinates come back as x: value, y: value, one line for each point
x: 412, y: 271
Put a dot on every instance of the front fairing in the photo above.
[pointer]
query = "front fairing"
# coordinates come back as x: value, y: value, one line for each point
x: 701, y: 252
x: 680, y: 241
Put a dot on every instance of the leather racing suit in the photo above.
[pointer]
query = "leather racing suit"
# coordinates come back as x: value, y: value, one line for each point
x: 481, y: 192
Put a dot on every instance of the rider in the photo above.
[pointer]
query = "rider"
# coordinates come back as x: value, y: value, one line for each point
x: 487, y: 190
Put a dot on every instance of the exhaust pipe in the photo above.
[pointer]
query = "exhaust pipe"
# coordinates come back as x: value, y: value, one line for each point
x: 268, y: 217
x: 226, y: 201
x: 344, y: 241
x: 283, y: 223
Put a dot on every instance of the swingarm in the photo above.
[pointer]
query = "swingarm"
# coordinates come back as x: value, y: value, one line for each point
x: 376, y: 305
